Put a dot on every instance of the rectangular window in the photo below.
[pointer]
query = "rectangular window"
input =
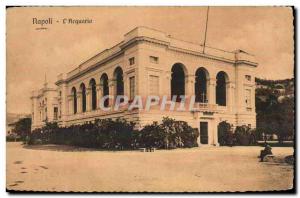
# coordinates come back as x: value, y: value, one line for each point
x: 248, y: 77
x: 154, y: 59
x: 131, y: 61
x: 153, y: 85
x: 248, y: 99
x: 55, y: 113
x: 131, y: 87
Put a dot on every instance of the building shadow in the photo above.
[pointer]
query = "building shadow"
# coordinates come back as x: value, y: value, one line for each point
x: 67, y: 148
x: 61, y: 148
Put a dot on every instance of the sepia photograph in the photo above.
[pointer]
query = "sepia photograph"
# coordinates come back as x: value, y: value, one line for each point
x: 156, y: 99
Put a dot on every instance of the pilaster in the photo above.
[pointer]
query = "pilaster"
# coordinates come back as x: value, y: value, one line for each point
x: 79, y: 102
x: 190, y: 85
x: 111, y: 87
x: 99, y: 94
x: 230, y: 87
x: 88, y: 99
x: 212, y: 91
x: 70, y: 104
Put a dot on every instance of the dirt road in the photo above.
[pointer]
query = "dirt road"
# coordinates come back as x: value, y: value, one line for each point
x: 59, y: 168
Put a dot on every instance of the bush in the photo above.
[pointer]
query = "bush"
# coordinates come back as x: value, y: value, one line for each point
x: 107, y: 134
x: 117, y: 134
x: 13, y: 138
x: 22, y: 127
x: 245, y: 136
x: 169, y: 134
x: 225, y: 134
x: 152, y: 136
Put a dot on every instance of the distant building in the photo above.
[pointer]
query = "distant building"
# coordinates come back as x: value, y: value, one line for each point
x: 44, y: 106
x: 150, y: 62
x: 11, y: 120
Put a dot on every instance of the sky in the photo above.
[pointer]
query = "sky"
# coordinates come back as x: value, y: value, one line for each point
x: 266, y: 32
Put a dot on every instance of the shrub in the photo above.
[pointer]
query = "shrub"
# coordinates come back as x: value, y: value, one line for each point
x: 22, y: 127
x: 258, y: 133
x: 117, y: 134
x: 114, y: 134
x: 13, y: 138
x: 107, y: 133
x: 245, y: 135
x: 153, y: 136
x: 225, y: 134
x: 169, y: 134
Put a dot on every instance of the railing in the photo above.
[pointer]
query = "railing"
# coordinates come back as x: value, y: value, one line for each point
x: 206, y: 107
x: 93, y: 113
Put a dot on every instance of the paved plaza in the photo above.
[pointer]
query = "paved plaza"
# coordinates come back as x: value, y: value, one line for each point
x: 62, y: 168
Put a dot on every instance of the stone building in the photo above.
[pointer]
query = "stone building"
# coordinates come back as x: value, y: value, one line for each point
x: 44, y: 106
x: 151, y: 62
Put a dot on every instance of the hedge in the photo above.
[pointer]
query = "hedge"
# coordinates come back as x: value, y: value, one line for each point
x: 117, y: 134
x: 242, y: 135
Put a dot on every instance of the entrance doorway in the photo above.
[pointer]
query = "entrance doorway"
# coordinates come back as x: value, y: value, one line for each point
x: 204, y: 132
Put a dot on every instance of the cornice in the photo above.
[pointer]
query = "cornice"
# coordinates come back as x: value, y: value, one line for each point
x: 124, y: 45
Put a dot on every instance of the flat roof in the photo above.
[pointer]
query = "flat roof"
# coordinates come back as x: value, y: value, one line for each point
x: 153, y: 35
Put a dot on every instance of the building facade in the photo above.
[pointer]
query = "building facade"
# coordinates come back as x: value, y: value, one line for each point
x: 44, y: 106
x: 150, y: 62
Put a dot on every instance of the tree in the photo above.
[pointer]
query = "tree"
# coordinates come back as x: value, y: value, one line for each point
x: 277, y: 118
x: 225, y: 133
x: 285, y: 116
x: 243, y: 135
x: 23, y: 127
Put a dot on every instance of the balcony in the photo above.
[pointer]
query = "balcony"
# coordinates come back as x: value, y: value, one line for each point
x: 98, y: 113
x: 169, y: 107
x: 205, y: 107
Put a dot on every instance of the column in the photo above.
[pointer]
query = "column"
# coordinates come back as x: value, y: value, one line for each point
x: 212, y: 91
x: 79, y: 102
x: 35, y: 110
x: 253, y: 108
x: 230, y: 86
x: 70, y: 104
x: 125, y: 82
x: 111, y: 86
x: 167, y: 87
x: 189, y: 85
x: 64, y: 103
x: 99, y: 94
x: 88, y: 99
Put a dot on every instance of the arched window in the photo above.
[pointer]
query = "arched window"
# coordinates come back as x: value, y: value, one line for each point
x: 94, y: 93
x: 177, y: 81
x: 118, y: 75
x: 221, y: 88
x: 201, y: 85
x: 74, y: 94
x: 83, y: 97
x: 105, y: 89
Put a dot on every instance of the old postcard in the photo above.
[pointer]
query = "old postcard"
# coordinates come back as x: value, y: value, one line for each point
x: 150, y: 99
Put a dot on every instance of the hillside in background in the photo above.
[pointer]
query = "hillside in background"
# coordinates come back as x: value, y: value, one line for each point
x: 280, y: 87
x: 275, y: 108
x: 13, y: 117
